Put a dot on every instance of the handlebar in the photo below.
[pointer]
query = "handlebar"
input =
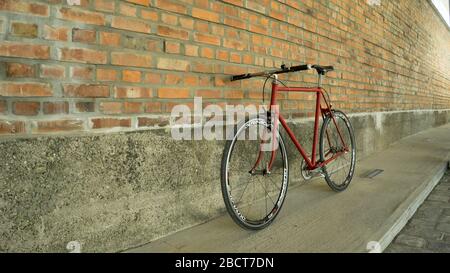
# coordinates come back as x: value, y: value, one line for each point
x: 283, y: 69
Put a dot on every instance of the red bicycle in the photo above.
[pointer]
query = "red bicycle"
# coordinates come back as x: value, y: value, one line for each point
x: 254, y: 179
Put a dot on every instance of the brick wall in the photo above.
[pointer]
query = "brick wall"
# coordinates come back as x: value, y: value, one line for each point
x: 122, y: 65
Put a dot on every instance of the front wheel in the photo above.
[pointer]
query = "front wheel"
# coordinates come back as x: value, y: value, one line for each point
x: 337, y: 145
x: 252, y: 191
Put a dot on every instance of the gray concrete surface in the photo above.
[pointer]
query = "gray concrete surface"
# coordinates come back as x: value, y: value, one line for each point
x: 315, y: 219
x: 429, y: 229
x: 111, y: 192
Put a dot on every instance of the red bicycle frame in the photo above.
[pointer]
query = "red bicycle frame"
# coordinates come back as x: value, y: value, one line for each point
x: 319, y: 111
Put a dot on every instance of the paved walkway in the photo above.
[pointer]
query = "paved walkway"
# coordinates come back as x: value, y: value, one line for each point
x: 316, y: 219
x: 429, y: 228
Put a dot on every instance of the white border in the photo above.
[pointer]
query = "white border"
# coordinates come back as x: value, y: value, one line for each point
x: 443, y: 11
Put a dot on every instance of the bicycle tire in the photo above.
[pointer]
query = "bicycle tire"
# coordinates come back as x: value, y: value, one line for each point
x: 332, y: 183
x: 232, y: 209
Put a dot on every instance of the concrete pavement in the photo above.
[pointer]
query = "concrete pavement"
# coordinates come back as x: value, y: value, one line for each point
x: 316, y: 219
x: 429, y: 229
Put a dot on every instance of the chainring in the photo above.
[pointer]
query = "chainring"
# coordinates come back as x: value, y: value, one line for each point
x: 306, y: 174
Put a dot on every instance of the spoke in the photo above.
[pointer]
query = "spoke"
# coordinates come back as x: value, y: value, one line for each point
x: 274, y: 183
x: 243, y: 192
x: 273, y: 203
x: 265, y: 199
x: 249, y: 206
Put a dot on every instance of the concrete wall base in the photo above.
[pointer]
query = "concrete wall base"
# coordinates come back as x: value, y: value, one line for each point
x: 111, y: 192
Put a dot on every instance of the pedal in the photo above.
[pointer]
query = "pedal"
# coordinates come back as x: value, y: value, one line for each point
x: 317, y: 172
x: 310, y: 174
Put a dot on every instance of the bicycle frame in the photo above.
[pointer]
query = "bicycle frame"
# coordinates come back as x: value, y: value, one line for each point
x: 319, y: 111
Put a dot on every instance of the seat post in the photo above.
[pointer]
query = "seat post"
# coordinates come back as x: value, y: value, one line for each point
x: 320, y: 80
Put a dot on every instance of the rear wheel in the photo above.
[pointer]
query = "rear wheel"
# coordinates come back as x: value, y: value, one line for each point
x: 253, y: 196
x: 339, y: 172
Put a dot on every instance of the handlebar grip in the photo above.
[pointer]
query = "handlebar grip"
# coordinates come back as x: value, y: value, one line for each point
x: 240, y: 77
x: 300, y: 67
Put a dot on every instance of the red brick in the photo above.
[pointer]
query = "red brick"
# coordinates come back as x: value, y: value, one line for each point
x: 171, y: 6
x: 127, y: 10
x: 139, y: 2
x: 173, y: 79
x: 206, y: 15
x: 235, y: 23
x: 150, y: 122
x: 131, y: 59
x: 55, y: 126
x: 111, y: 107
x: 153, y: 107
x: 235, y: 57
x: 85, y: 106
x: 106, y: 74
x: 169, y: 19
x: 86, y: 90
x: 130, y: 24
x: 24, y: 7
x: 98, y: 123
x: 29, y: 89
x: 170, y: 105
x: 173, y: 64
x: 171, y: 47
x: 186, y: 23
x: 172, y: 33
x: 173, y: 93
x: 105, y: 5
x: 258, y: 29
x: 26, y: 108
x: 190, y: 80
x: 24, y: 30
x: 51, y: 108
x: 13, y: 49
x: 247, y: 59
x: 56, y: 33
x: 132, y: 92
x: 82, y: 72
x: 132, y: 107
x: 154, y: 45
x: 278, y: 15
x: 109, y: 38
x: 207, y: 52
x: 83, y: 55
x: 209, y: 94
x: 234, y: 44
x: 235, y: 2
x: 202, y: 67
x: 81, y: 16
x: 131, y: 76
x: 18, y: 70
x: 201, y: 26
x: 207, y: 39
x: 84, y: 35
x: 191, y: 50
x: 232, y: 69
x: 3, y: 106
x: 222, y: 55
x: 52, y: 71
x: 234, y: 94
x: 149, y: 15
x: 152, y: 78
x: 12, y: 127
